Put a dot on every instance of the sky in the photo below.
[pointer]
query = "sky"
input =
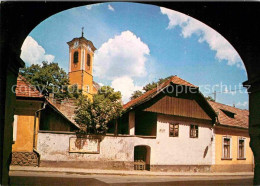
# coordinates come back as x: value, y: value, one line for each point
x: 139, y: 43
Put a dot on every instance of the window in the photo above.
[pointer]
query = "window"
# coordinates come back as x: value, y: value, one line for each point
x: 226, y: 148
x: 88, y: 61
x: 15, y: 128
x: 228, y: 113
x: 87, y: 89
x: 174, y: 130
x: 241, y: 148
x: 194, y: 131
x: 75, y: 57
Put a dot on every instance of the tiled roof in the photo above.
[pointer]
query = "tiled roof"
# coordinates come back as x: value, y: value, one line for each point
x: 146, y: 96
x: 25, y: 89
x: 96, y: 85
x: 240, y: 116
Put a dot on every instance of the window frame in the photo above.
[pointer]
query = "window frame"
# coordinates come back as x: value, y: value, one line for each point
x: 88, y: 61
x: 230, y: 148
x: 238, y: 148
x: 173, y: 131
x: 75, y: 57
x: 87, y: 88
x: 191, y: 129
x: 15, y: 122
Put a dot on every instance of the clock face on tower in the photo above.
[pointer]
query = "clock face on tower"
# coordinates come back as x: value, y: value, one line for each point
x: 76, y: 44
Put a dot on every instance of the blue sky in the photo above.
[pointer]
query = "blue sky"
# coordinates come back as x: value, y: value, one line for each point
x: 137, y: 44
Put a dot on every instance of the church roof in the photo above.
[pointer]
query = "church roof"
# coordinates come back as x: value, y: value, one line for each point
x: 83, y: 40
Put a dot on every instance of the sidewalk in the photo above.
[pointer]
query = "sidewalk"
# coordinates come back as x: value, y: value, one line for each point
x: 120, y: 172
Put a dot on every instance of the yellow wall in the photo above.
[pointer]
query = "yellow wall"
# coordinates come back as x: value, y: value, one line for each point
x: 234, y: 134
x: 24, y: 136
x: 25, y: 110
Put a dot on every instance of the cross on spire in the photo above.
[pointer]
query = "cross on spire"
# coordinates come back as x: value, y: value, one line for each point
x: 82, y: 33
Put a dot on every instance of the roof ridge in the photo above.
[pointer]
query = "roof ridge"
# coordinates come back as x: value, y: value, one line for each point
x: 158, y: 87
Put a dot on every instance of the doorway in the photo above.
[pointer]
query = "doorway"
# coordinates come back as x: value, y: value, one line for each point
x: 142, y: 157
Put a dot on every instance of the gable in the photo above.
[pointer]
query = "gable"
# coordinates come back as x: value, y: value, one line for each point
x: 178, y: 107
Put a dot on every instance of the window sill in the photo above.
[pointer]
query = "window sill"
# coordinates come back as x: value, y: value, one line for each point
x: 226, y: 158
x: 241, y: 158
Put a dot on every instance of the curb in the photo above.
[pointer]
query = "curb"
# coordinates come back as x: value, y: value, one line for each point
x: 118, y: 172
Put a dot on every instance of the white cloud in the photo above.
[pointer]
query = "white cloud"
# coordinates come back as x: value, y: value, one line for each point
x: 89, y: 7
x: 101, y: 84
x: 123, y: 55
x: 242, y: 104
x: 110, y: 8
x: 126, y: 86
x: 33, y: 53
x: 190, y: 26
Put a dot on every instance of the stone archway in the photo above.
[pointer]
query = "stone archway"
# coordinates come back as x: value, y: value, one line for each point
x: 235, y: 21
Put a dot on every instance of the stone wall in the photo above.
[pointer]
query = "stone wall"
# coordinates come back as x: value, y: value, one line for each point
x: 25, y: 159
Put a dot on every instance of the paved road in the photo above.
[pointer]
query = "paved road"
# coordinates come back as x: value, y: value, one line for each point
x: 32, y: 178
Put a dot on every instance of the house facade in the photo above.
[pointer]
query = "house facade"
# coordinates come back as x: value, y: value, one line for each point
x: 232, y: 148
x: 170, y: 128
x: 33, y: 112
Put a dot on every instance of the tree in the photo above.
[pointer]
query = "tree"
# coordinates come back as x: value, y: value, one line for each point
x: 209, y: 98
x: 94, y: 115
x: 148, y: 87
x: 136, y: 94
x: 49, y: 77
x: 153, y: 85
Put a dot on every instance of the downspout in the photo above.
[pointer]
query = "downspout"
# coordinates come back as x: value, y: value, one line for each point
x: 34, y: 131
x: 34, y: 127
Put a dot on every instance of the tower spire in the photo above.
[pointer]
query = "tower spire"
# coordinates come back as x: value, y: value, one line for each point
x: 82, y: 32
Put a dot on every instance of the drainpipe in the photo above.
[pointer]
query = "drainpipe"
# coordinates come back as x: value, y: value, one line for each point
x: 34, y: 127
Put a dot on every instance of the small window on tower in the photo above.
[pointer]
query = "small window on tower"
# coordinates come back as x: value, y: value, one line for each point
x: 75, y: 57
x: 88, y: 61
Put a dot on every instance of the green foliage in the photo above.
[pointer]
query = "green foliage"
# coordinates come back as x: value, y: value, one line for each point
x: 209, y: 98
x: 148, y: 87
x: 136, y: 94
x: 153, y: 85
x: 49, y: 77
x: 95, y: 115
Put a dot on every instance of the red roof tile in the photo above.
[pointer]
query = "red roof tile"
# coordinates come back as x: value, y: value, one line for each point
x: 240, y: 118
x: 25, y: 89
x: 174, y: 79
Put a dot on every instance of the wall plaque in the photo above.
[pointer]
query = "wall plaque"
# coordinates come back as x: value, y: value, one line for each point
x: 84, y: 145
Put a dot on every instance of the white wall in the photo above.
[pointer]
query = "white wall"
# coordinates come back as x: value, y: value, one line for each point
x: 181, y: 150
x: 165, y: 150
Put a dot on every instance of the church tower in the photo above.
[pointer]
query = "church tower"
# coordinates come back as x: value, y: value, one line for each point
x: 81, y: 54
